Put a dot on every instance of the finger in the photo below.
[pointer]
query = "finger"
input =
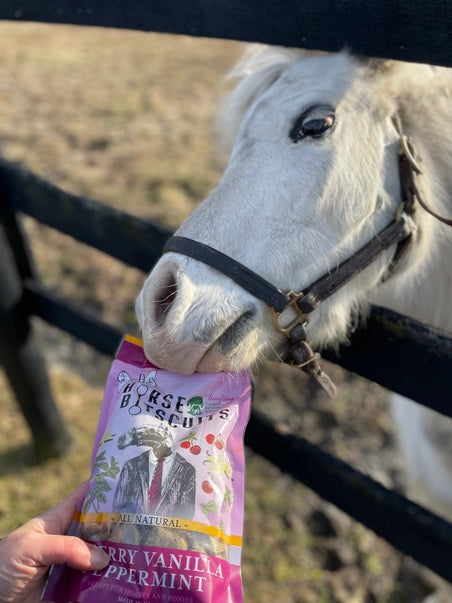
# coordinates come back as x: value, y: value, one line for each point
x: 75, y: 552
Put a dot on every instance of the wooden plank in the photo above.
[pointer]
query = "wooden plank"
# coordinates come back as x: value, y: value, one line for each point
x: 405, y: 525
x: 70, y: 318
x: 410, y: 30
x: 121, y: 235
x: 404, y: 356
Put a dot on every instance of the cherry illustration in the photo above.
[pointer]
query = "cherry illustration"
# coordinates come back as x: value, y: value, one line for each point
x: 207, y: 487
x: 195, y: 449
x: 189, y: 440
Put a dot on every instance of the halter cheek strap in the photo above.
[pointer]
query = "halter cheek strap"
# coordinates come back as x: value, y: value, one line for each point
x: 239, y: 273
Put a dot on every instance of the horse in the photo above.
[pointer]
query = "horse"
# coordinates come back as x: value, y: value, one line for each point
x: 313, y: 177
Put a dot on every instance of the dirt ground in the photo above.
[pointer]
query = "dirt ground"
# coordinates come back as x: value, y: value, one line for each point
x: 125, y: 118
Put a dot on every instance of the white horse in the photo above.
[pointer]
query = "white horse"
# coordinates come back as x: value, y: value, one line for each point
x: 312, y: 177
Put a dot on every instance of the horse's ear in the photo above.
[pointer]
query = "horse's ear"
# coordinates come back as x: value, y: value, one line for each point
x: 375, y: 66
x: 382, y: 76
x: 258, y: 69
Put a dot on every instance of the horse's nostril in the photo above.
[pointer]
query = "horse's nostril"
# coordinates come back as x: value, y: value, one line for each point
x: 164, y: 299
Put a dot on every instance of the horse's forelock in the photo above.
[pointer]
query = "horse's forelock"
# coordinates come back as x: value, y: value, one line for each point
x: 257, y: 56
x: 258, y: 69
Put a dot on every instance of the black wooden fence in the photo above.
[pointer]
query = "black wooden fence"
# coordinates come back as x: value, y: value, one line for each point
x: 412, y: 360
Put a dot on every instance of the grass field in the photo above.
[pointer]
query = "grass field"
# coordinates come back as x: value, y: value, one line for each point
x: 126, y: 118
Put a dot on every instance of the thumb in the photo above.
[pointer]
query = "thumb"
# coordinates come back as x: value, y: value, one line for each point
x: 74, y: 551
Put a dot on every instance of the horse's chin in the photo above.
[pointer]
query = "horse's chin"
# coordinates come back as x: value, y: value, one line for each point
x: 178, y: 359
x: 196, y: 360
x: 189, y: 358
x: 214, y: 362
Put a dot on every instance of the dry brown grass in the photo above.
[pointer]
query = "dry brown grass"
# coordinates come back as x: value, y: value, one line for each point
x: 120, y: 116
x: 26, y: 487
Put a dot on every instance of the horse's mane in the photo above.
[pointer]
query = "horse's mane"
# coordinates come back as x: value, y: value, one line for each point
x: 258, y: 68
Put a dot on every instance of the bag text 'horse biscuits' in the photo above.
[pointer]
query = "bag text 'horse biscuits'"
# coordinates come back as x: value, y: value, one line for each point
x: 166, y: 494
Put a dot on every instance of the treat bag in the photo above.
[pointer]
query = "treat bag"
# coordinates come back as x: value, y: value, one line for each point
x: 166, y: 494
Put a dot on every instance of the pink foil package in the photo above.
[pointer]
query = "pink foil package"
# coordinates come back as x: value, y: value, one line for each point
x: 166, y: 494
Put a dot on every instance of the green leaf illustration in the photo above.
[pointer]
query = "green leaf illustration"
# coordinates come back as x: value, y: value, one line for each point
x: 102, y: 471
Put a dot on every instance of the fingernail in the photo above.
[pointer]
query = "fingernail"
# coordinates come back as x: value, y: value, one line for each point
x: 98, y: 558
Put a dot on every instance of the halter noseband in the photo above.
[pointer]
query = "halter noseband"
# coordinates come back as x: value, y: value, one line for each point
x: 300, y: 354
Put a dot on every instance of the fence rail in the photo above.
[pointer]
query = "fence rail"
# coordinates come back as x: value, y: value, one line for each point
x: 408, y: 30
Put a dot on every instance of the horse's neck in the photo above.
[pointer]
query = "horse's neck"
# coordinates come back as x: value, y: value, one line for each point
x: 426, y: 295
x: 425, y: 292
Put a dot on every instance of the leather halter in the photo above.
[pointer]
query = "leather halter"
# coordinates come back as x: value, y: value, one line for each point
x: 398, y: 232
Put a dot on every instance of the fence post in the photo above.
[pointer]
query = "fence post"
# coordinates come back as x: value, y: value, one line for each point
x: 24, y: 365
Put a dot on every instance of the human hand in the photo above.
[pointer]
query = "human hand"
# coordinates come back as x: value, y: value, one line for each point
x: 27, y: 553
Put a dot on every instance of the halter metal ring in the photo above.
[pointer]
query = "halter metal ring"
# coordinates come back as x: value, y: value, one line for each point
x: 300, y: 319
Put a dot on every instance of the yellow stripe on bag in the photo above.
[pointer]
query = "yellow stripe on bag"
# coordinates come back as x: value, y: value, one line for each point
x: 135, y: 340
x: 154, y: 520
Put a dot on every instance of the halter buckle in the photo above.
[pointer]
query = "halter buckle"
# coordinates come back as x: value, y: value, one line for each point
x: 300, y: 319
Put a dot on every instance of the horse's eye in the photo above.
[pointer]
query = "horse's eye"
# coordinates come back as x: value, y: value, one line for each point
x: 313, y: 123
x: 317, y: 126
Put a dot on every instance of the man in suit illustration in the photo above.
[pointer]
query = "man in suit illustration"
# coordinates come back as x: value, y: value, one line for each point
x: 158, y: 481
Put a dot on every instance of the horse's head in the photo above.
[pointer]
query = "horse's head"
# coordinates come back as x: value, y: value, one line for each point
x: 312, y: 177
